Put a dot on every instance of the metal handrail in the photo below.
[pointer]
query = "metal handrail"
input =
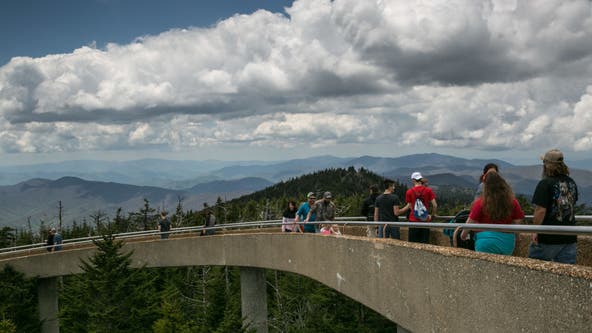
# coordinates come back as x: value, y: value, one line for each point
x: 357, y: 220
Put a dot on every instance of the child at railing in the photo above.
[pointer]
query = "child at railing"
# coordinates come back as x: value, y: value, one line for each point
x: 330, y: 230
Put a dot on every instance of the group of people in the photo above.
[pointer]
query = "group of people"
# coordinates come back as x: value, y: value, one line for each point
x: 554, y: 202
x: 54, y: 240
x: 164, y: 224
x: 312, y: 210
x: 386, y: 207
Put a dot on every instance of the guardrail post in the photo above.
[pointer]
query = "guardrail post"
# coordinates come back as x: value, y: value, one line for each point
x: 47, y: 292
x: 254, y: 298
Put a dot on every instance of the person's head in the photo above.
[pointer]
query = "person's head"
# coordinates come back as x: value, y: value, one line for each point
x: 424, y: 181
x: 311, y: 197
x: 291, y: 205
x: 52, y: 231
x: 416, y: 178
x: 388, y: 184
x: 373, y: 189
x: 327, y: 196
x: 497, y: 196
x: 488, y: 168
x: 553, y: 164
x: 163, y: 214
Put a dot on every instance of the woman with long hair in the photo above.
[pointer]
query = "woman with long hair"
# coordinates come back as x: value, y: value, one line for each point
x: 288, y: 224
x: 496, y: 205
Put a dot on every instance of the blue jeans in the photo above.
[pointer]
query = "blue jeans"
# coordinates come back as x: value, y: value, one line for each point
x: 563, y: 253
x: 392, y: 232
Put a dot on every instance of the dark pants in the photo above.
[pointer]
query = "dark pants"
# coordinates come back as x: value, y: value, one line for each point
x: 419, y: 235
x: 392, y: 232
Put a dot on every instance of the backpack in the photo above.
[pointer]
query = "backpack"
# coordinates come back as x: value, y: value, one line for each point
x: 460, y: 217
x: 419, y: 209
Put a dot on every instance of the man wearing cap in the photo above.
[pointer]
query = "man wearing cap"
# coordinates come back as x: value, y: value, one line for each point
x: 324, y: 208
x: 303, y: 212
x: 427, y: 196
x: 554, y: 198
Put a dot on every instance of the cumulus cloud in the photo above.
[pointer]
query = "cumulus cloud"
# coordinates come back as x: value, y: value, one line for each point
x: 496, y: 74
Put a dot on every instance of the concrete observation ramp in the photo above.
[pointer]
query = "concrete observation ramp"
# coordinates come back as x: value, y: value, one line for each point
x: 423, y: 288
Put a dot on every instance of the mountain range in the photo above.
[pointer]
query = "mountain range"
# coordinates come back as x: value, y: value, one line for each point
x: 84, y: 187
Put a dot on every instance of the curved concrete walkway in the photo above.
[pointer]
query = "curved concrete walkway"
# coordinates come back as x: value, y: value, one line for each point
x: 423, y: 288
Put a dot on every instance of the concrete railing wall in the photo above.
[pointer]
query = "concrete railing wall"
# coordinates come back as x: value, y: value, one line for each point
x: 423, y: 288
x: 437, y: 237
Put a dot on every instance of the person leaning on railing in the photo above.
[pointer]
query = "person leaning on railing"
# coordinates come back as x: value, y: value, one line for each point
x: 555, y: 199
x: 496, y: 205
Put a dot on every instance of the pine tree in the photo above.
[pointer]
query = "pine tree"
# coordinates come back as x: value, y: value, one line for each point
x: 7, y: 237
x: 18, y: 302
x: 109, y: 296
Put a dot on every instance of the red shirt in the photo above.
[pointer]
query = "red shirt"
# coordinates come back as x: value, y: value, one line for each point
x: 427, y: 195
x: 479, y: 215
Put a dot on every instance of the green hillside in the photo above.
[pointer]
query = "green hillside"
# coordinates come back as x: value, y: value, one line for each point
x: 348, y: 186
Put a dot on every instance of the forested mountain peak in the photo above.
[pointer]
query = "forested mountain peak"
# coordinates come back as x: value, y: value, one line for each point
x: 341, y: 182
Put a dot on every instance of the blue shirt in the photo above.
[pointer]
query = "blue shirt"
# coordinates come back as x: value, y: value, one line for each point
x: 302, y: 213
x: 57, y: 240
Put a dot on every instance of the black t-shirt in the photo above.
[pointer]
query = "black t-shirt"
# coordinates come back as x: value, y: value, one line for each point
x: 165, y: 224
x: 558, y: 195
x: 289, y: 214
x: 368, y: 207
x: 385, y: 204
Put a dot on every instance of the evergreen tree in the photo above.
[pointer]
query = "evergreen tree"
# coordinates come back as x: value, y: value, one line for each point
x: 109, y: 296
x: 7, y: 237
x: 18, y: 302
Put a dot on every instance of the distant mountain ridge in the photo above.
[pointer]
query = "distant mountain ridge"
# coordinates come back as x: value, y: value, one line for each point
x: 199, y: 182
x: 38, y: 199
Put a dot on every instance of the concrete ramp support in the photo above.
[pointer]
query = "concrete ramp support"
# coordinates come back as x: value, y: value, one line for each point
x: 254, y: 298
x: 47, y: 291
x: 422, y: 288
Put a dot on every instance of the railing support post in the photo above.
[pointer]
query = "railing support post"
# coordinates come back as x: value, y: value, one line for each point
x: 47, y: 293
x: 254, y: 298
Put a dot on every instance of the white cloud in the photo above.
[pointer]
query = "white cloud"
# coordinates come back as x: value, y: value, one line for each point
x: 432, y: 74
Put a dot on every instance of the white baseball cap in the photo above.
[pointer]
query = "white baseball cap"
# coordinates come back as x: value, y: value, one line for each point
x: 416, y: 176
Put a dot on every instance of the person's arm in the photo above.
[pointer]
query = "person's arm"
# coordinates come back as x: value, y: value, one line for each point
x: 401, y: 211
x: 465, y: 233
x: 539, y: 215
x: 376, y: 214
x: 308, y: 216
x: 537, y: 219
x: 434, y: 205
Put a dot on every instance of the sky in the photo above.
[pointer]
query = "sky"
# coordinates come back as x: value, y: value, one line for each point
x: 275, y: 80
